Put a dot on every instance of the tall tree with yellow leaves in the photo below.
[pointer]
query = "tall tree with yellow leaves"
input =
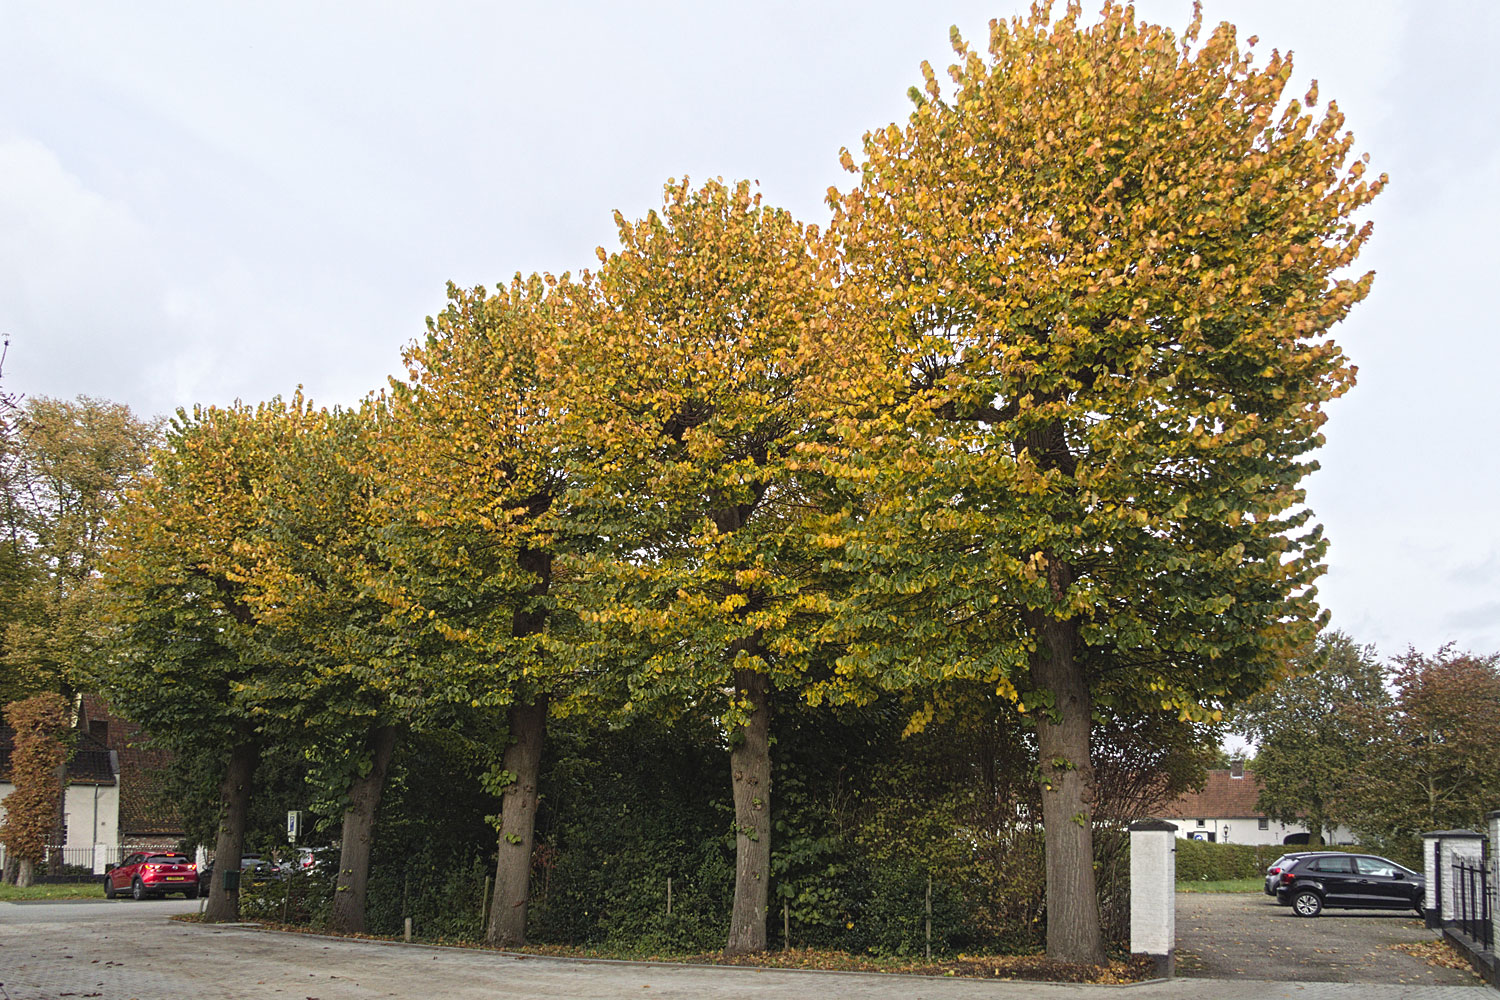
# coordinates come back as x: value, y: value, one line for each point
x: 690, y: 379
x: 1099, y: 273
x: 183, y: 635
x: 471, y: 479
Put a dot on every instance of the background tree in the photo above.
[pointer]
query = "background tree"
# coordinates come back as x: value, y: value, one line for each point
x: 1099, y: 274
x: 1308, y: 755
x: 691, y: 378
x: 1431, y: 762
x: 16, y: 567
x: 64, y: 469
x: 36, y: 760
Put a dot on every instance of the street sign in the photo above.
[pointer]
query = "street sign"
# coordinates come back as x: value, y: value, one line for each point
x: 293, y: 825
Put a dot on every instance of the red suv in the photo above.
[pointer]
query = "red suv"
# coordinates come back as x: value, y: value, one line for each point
x: 152, y: 873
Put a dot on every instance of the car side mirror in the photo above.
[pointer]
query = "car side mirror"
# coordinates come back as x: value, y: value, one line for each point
x: 1398, y: 875
x: 110, y: 867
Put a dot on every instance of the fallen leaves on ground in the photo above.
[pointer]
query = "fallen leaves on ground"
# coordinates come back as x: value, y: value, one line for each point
x: 1035, y: 967
x: 1436, y: 952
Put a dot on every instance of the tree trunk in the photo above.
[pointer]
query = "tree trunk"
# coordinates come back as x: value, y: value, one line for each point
x: 523, y: 759
x: 1315, y: 825
x: 348, y: 915
x: 1067, y: 779
x: 750, y: 764
x: 25, y: 874
x: 229, y: 846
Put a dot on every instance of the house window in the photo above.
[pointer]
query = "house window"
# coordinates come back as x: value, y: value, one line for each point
x: 1263, y: 823
x: 1200, y: 822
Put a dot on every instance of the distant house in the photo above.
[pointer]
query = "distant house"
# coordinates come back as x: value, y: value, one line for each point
x: 91, y: 798
x: 1225, y: 812
x: 147, y: 819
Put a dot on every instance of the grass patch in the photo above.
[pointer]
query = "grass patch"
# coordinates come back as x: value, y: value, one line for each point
x: 1224, y: 885
x: 64, y: 890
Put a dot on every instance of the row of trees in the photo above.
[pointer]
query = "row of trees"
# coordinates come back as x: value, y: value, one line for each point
x: 1389, y: 752
x: 1030, y: 414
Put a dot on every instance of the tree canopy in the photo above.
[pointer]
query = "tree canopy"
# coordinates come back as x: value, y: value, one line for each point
x: 1100, y: 272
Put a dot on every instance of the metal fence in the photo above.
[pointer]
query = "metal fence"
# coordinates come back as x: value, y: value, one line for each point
x: 1471, y: 901
x: 82, y: 864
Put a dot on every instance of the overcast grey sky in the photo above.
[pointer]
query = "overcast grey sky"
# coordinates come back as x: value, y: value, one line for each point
x: 203, y: 202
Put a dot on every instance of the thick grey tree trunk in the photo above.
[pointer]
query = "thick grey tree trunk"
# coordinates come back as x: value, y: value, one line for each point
x: 523, y: 759
x: 348, y: 914
x: 1067, y: 780
x: 223, y: 904
x: 25, y: 873
x: 750, y: 765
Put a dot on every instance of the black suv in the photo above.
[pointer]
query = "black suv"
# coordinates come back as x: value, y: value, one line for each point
x: 1348, y: 881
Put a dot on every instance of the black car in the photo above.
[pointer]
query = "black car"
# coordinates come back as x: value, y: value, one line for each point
x: 252, y: 870
x: 1273, y: 872
x: 1348, y: 881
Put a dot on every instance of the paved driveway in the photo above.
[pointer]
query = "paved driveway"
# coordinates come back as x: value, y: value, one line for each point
x: 1244, y: 935
x: 123, y: 950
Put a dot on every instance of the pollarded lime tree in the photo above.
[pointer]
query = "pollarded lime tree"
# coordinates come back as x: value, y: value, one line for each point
x: 472, y: 476
x: 689, y: 394
x: 1099, y: 272
x: 180, y: 640
x: 344, y: 676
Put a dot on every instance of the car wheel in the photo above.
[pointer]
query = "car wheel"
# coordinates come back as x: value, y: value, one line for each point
x: 137, y: 890
x: 109, y: 887
x: 1307, y: 904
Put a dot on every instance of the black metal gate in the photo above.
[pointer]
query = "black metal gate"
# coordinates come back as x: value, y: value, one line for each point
x: 1471, y: 900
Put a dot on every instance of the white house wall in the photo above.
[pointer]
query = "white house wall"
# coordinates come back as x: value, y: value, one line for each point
x: 92, y: 815
x: 1246, y: 830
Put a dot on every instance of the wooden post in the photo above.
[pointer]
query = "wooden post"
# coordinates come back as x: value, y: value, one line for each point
x: 484, y: 905
x: 669, y: 895
x: 929, y: 918
x: 408, y: 930
x: 786, y: 925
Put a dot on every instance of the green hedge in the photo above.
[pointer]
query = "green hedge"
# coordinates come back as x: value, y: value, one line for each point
x: 1205, y: 861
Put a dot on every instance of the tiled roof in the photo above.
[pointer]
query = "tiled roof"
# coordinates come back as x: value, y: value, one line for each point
x: 142, y: 809
x: 1222, y: 797
x: 90, y: 764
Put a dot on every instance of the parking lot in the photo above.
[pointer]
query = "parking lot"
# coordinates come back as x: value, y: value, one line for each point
x: 125, y: 950
x: 1247, y: 936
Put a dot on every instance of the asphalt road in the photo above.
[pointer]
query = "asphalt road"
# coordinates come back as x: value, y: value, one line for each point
x: 124, y: 950
x: 1247, y: 936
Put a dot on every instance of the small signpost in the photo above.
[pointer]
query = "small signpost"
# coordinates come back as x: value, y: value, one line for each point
x: 293, y: 825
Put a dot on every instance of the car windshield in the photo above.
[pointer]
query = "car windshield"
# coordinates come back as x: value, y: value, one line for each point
x: 167, y: 859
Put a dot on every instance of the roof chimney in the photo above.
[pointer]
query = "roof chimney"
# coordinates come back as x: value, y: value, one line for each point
x: 1237, y: 768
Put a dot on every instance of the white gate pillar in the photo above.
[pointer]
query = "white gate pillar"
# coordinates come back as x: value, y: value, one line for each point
x: 1153, y: 892
x: 1494, y: 829
x: 1440, y: 848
